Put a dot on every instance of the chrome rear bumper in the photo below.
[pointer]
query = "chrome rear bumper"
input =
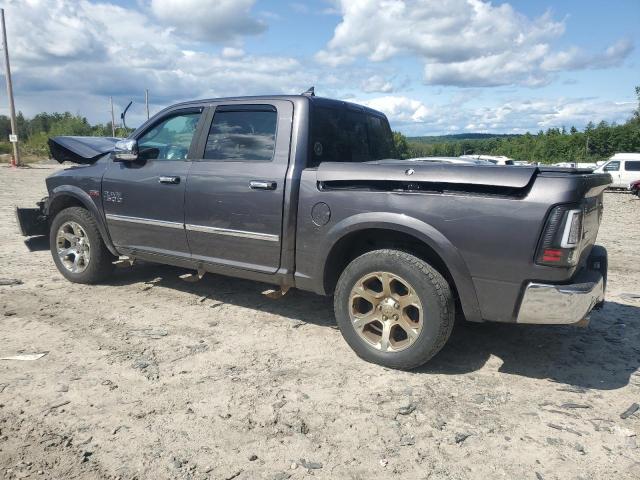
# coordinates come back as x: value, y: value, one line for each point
x: 562, y: 304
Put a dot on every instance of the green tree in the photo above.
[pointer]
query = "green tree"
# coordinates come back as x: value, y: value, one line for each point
x: 400, y: 145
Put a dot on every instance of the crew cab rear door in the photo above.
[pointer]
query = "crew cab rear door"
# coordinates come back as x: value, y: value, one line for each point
x: 235, y: 189
x: 144, y: 199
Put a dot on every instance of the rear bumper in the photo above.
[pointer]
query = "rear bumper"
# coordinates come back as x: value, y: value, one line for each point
x: 565, y: 304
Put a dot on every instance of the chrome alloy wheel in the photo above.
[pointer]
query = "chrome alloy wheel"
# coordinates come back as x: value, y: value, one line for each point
x: 73, y: 247
x: 385, y: 311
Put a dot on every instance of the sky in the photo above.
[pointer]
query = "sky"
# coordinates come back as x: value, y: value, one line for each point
x: 433, y: 67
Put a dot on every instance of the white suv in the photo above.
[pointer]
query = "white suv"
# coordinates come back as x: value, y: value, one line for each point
x: 624, y: 168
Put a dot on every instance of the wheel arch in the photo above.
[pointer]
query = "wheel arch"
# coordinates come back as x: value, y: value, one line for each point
x: 354, y: 236
x: 66, y: 196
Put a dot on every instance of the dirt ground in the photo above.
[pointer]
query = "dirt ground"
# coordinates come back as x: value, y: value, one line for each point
x: 153, y: 377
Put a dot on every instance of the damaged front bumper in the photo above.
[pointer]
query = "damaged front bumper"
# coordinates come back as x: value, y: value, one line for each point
x: 565, y: 304
x: 33, y: 221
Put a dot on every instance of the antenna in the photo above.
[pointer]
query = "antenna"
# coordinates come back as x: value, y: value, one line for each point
x: 310, y: 92
x: 123, y: 114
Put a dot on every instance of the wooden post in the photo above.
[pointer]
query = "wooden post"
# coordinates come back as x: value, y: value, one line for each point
x: 113, y: 119
x: 146, y: 101
x: 12, y: 108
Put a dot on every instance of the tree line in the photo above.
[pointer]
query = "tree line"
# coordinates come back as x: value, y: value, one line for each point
x: 33, y: 133
x: 595, y: 142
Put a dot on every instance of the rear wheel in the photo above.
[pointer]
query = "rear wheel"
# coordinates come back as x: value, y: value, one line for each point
x: 393, y: 308
x: 77, y: 247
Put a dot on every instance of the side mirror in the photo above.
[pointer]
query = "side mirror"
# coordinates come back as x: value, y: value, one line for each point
x: 125, y: 151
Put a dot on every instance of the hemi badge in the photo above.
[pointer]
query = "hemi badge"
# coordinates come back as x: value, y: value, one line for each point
x: 94, y: 193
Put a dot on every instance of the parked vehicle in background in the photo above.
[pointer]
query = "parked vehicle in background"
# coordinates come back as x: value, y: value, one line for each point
x: 584, y: 165
x: 298, y: 191
x: 624, y: 169
x: 453, y: 160
x: 495, y: 159
x: 635, y: 188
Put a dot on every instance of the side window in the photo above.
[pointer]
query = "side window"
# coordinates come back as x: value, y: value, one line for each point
x: 632, y: 166
x: 612, y: 167
x: 170, y: 139
x: 242, y: 135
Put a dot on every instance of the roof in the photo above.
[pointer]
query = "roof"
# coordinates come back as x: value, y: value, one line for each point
x: 328, y: 102
x: 626, y: 156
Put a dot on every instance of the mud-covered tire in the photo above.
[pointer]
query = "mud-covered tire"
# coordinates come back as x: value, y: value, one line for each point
x: 100, y: 260
x: 435, y: 298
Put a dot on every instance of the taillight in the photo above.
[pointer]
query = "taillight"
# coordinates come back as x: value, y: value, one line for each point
x: 561, y: 238
x: 572, y: 230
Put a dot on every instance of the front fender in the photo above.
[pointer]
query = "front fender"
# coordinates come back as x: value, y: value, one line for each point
x: 61, y: 192
x: 423, y: 232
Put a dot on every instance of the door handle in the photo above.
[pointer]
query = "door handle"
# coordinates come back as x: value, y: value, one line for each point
x: 170, y: 180
x: 262, y: 185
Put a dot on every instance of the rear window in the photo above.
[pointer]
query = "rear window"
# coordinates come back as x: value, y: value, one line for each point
x: 344, y: 135
x: 633, y: 166
x: 242, y: 135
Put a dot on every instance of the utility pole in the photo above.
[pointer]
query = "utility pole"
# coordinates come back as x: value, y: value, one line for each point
x: 12, y: 108
x: 146, y: 101
x: 113, y: 119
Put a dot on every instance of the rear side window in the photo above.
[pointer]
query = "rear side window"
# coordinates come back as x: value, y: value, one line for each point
x: 343, y: 135
x: 633, y: 166
x: 612, y: 167
x: 242, y: 135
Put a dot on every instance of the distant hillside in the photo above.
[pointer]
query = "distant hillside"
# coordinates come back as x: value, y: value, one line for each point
x: 431, y: 139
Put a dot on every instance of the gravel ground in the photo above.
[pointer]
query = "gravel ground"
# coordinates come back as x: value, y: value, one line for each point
x: 153, y: 377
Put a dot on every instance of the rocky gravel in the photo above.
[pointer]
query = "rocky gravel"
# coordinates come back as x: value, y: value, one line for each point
x: 152, y: 376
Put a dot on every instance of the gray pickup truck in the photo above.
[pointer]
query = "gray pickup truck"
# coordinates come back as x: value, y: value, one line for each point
x: 301, y: 191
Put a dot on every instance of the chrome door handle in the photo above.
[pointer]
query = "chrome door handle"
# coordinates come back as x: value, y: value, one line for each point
x: 262, y: 185
x: 170, y: 180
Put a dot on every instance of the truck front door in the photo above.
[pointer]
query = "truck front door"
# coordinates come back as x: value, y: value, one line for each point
x: 144, y: 199
x: 235, y: 190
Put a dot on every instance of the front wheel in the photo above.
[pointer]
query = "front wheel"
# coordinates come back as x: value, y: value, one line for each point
x: 77, y: 247
x: 394, y: 309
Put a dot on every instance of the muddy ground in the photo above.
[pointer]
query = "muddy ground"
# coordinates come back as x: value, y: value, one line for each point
x: 149, y: 376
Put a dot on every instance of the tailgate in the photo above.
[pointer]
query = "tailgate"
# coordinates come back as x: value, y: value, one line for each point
x: 592, y: 188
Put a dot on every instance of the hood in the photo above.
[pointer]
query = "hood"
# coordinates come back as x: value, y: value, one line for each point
x: 83, y: 150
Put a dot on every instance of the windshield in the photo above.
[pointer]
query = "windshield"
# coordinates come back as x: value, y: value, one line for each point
x: 339, y: 134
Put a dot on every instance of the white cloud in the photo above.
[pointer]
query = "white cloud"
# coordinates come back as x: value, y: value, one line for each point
x: 84, y: 53
x: 576, y: 59
x: 377, y: 84
x: 460, y: 42
x: 209, y: 20
x: 231, y: 52
x: 401, y: 109
x: 414, y: 117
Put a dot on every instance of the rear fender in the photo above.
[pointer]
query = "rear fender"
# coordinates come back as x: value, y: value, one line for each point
x: 421, y: 231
